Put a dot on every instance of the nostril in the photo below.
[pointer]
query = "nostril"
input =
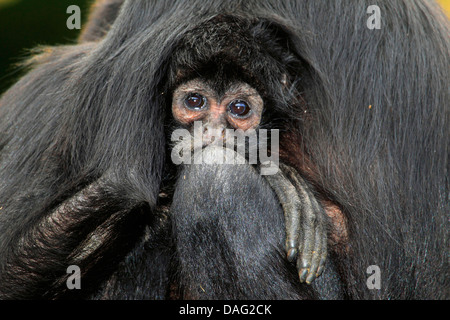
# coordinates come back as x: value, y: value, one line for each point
x: 213, y: 134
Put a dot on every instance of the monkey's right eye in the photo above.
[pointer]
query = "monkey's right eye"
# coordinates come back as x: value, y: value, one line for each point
x: 195, y: 101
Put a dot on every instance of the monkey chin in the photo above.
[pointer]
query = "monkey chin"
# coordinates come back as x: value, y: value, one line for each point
x: 217, y: 154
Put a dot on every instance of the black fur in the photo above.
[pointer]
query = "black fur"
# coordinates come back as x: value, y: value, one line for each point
x: 92, y: 115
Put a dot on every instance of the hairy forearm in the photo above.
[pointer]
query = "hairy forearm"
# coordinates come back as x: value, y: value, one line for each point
x: 71, y: 233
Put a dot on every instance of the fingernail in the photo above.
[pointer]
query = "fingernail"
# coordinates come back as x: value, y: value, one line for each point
x: 291, y: 254
x: 310, y: 278
x: 303, y: 273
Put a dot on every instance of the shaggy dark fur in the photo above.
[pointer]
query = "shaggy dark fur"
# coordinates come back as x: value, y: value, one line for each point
x: 83, y: 156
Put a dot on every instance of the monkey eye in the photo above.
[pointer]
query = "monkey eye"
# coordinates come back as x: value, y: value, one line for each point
x: 195, y: 101
x: 239, y: 108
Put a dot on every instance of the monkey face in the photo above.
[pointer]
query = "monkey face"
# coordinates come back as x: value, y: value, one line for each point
x: 239, y: 107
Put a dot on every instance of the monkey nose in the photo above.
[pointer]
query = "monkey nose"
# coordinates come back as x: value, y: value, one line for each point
x: 213, y: 134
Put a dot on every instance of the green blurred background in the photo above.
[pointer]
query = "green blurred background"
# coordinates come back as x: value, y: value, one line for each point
x: 24, y: 24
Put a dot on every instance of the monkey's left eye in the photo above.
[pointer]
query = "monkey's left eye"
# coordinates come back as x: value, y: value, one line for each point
x: 239, y: 108
x: 195, y: 101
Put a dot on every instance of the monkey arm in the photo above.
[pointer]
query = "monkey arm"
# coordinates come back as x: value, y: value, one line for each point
x: 306, y: 229
x: 78, y: 231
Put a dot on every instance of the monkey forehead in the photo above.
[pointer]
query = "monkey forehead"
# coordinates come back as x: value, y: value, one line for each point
x: 239, y: 88
x: 236, y: 89
x: 195, y: 85
x: 228, y: 47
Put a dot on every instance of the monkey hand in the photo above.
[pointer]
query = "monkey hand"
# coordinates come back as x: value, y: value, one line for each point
x: 306, y: 232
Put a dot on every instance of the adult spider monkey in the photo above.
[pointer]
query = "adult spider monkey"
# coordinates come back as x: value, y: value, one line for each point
x: 85, y: 170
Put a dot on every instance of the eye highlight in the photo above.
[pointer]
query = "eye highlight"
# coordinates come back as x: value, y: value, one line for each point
x: 239, y: 108
x: 195, y: 101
